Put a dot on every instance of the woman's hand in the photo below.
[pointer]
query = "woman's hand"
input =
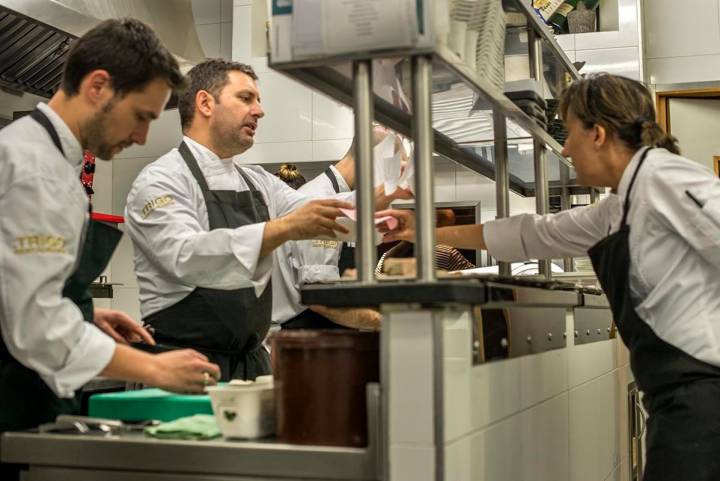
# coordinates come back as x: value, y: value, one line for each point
x: 121, y: 327
x: 405, y: 229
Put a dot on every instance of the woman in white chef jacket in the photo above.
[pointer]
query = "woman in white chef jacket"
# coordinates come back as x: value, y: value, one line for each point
x: 655, y: 245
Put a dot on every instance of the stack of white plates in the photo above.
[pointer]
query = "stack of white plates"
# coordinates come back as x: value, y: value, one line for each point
x: 490, y: 47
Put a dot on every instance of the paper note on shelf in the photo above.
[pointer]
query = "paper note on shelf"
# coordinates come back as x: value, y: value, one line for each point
x: 353, y: 25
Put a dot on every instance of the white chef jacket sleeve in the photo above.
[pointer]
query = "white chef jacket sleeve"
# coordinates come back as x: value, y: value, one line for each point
x: 43, y: 330
x: 687, y: 201
x: 162, y: 218
x: 529, y: 236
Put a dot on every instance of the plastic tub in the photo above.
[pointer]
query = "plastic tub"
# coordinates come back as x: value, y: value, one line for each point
x: 320, y: 378
x: 244, y: 411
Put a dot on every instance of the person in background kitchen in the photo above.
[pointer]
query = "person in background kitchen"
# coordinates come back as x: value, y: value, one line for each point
x: 312, y: 261
x: 655, y: 245
x: 116, y: 80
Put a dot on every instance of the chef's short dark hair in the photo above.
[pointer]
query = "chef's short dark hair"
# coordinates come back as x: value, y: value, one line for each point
x: 130, y: 52
x: 211, y: 76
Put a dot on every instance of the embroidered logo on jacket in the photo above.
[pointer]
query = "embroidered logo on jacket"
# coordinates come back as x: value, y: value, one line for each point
x: 32, y: 244
x: 327, y: 244
x: 156, y: 203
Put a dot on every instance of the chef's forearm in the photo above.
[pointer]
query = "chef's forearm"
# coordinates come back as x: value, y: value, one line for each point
x: 462, y: 236
x: 132, y: 365
x: 277, y: 232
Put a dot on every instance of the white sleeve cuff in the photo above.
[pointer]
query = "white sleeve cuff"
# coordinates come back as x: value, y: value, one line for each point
x: 318, y: 273
x: 503, y: 238
x: 87, y: 359
x: 245, y: 243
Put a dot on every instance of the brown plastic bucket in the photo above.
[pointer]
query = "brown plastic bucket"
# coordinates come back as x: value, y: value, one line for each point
x: 320, y: 378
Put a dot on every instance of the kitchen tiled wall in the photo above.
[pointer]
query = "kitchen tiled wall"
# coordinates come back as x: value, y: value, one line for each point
x: 682, y: 41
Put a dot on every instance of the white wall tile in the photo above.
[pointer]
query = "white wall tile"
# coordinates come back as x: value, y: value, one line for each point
x: 594, y: 448
x: 412, y: 463
x: 457, y: 353
x: 279, y: 153
x: 496, y: 392
x: 209, y: 36
x: 206, y: 11
x: 543, y: 376
x: 676, y: 30
x: 410, y: 383
x: 590, y: 361
x: 330, y: 150
x: 444, y: 181
x: 532, y: 446
x: 226, y: 10
x: 124, y: 173
x: 331, y: 119
x: 566, y: 42
x: 699, y: 68
x: 242, y: 33
x: 226, y: 40
x: 164, y: 134
x: 618, y: 61
x: 288, y: 110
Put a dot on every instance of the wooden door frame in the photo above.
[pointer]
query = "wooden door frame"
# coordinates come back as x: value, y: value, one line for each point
x: 662, y: 102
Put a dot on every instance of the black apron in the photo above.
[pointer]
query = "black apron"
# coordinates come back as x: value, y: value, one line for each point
x: 681, y: 393
x: 31, y: 401
x: 308, y: 319
x: 228, y: 326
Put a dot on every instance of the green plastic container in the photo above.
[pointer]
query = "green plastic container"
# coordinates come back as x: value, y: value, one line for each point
x: 145, y: 404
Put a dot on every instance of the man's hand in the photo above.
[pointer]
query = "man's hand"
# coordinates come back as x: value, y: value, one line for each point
x: 184, y: 371
x: 121, y: 327
x: 405, y: 229
x: 312, y: 220
x: 315, y: 219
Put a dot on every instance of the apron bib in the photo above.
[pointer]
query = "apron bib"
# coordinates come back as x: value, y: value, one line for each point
x: 228, y: 326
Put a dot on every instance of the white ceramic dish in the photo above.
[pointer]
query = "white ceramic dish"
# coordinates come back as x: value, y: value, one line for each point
x: 244, y: 411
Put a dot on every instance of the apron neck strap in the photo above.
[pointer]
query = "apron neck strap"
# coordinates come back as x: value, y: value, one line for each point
x: 626, y: 206
x: 44, y: 121
x: 192, y: 164
x: 333, y: 180
x: 247, y: 180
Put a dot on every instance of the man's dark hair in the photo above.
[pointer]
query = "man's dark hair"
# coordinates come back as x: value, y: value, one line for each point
x: 211, y: 76
x: 130, y: 52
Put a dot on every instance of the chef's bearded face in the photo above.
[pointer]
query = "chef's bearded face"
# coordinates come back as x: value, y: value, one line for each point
x: 236, y: 113
x: 124, y: 120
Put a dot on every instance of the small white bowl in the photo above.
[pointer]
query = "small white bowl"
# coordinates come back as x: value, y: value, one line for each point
x: 246, y: 411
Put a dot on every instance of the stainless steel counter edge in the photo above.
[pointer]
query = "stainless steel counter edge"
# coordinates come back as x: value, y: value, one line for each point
x: 594, y: 300
x: 137, y: 453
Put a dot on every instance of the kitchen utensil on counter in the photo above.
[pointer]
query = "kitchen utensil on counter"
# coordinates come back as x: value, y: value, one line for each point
x: 320, y: 382
x: 146, y: 404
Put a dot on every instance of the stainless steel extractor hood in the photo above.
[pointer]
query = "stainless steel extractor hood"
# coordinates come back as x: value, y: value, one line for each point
x: 35, y: 35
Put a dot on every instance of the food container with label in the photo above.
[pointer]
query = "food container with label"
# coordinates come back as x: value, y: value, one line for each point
x: 245, y: 411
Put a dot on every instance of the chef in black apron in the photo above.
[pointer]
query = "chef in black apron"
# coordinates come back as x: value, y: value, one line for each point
x: 204, y: 227
x: 226, y: 325
x: 50, y: 252
x: 654, y: 243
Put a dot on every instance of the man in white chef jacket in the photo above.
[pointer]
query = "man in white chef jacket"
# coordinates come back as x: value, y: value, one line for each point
x: 204, y: 226
x: 116, y: 80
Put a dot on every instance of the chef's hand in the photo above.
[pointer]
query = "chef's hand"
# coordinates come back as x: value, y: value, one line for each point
x: 120, y: 326
x: 315, y: 219
x: 383, y: 201
x: 405, y: 229
x: 184, y: 371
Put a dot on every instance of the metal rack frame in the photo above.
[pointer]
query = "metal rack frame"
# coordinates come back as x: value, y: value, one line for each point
x: 358, y: 92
